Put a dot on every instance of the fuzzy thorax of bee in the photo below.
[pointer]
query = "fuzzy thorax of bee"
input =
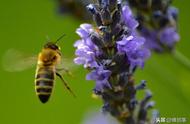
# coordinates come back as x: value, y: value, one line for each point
x: 50, y: 55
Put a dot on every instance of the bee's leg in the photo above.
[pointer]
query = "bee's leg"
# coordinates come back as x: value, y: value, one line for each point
x: 65, y: 84
x: 65, y: 70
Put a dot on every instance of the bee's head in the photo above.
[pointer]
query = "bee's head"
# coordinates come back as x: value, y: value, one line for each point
x: 50, y: 53
x: 52, y: 46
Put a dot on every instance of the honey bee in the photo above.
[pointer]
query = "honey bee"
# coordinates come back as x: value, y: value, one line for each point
x: 47, y: 69
x: 48, y: 59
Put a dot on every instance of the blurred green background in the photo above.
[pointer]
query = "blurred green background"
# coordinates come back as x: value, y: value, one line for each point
x: 24, y: 26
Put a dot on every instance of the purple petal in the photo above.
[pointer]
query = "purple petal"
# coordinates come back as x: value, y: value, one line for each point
x: 128, y: 18
x: 169, y: 36
x: 79, y: 60
x: 125, y: 40
x: 91, y: 76
x: 84, y: 30
x: 77, y: 43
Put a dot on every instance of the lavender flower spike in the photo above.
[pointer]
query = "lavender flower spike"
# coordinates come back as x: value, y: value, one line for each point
x: 112, y: 51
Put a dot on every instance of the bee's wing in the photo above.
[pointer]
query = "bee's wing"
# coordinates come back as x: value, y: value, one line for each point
x: 14, y: 61
x: 67, y: 65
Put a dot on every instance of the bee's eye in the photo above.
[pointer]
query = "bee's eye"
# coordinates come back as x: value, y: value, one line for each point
x: 54, y: 57
x: 54, y: 47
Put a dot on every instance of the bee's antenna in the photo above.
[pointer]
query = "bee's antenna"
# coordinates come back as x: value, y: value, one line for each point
x: 47, y: 39
x: 59, y: 38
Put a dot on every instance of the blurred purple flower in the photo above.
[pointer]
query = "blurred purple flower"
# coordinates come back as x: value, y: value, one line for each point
x: 157, y: 40
x: 99, y: 118
x: 157, y: 23
x: 151, y: 40
x: 169, y: 36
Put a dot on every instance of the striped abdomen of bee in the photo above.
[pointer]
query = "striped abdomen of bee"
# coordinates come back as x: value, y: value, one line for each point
x: 44, y: 82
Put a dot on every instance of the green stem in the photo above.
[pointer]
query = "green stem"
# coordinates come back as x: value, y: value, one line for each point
x: 181, y: 58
